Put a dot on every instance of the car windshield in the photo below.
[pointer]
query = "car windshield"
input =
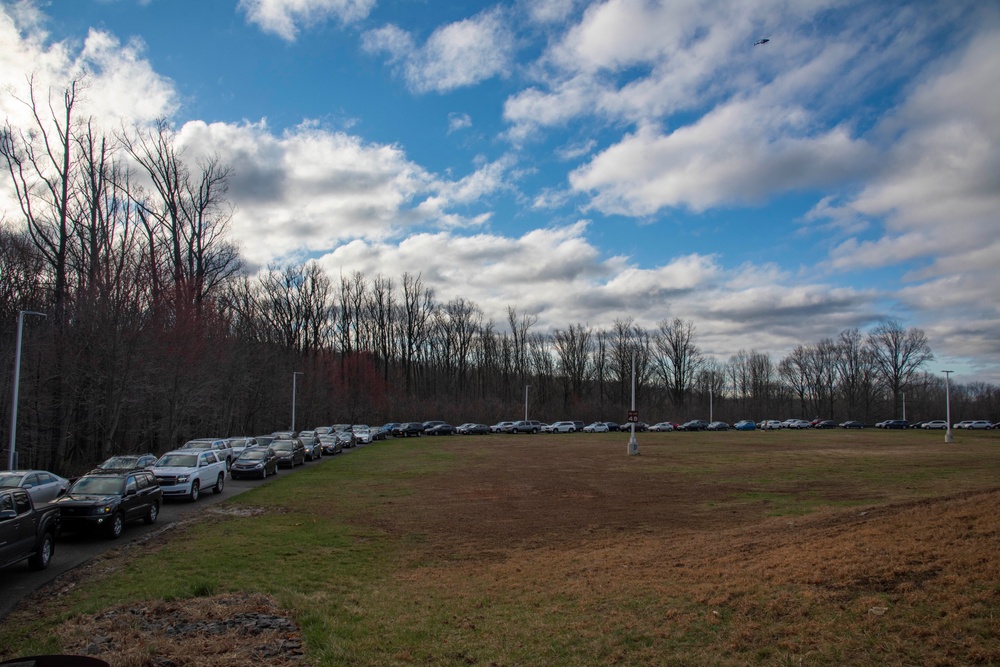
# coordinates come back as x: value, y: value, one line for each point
x: 196, y: 444
x: 253, y: 455
x: 98, y: 486
x: 282, y: 445
x: 177, y: 460
x: 120, y: 462
x: 10, y: 481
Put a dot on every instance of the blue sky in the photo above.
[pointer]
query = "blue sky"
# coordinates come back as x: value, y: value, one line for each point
x: 587, y: 161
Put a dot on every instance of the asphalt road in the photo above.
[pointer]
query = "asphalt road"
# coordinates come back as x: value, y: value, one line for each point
x: 73, y: 549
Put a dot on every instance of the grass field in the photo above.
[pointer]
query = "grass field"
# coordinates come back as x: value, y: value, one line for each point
x: 770, y: 548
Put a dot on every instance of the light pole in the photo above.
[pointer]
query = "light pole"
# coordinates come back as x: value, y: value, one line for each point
x: 295, y: 376
x: 633, y: 446
x: 948, y: 437
x: 904, y: 406
x: 526, y: 401
x: 17, y: 384
x: 710, y: 420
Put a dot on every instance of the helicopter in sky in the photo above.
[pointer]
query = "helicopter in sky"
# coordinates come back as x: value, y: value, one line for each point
x: 762, y: 40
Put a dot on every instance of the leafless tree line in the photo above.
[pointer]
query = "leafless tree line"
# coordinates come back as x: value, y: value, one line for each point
x: 155, y: 332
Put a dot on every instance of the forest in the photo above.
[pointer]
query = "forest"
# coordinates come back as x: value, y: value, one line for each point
x: 143, y: 327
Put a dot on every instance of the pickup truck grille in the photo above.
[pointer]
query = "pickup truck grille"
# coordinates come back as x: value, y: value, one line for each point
x: 166, y: 480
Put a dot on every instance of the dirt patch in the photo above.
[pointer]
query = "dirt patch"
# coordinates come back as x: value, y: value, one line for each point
x: 218, y: 631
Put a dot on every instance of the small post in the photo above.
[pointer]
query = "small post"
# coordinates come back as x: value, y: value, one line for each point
x: 948, y: 437
x: 633, y: 445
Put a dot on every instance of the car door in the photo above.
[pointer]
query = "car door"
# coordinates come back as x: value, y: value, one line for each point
x: 46, y: 488
x: 22, y: 528
x: 8, y: 527
x: 132, y: 502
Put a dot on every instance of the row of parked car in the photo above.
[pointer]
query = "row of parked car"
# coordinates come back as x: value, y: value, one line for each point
x: 37, y: 505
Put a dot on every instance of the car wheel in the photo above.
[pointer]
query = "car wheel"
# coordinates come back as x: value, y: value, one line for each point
x: 43, y: 555
x: 534, y: 430
x: 220, y: 484
x: 263, y: 472
x: 154, y: 511
x: 116, y: 526
x: 195, y: 491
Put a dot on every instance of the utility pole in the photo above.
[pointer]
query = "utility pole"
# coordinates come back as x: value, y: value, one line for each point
x: 17, y: 386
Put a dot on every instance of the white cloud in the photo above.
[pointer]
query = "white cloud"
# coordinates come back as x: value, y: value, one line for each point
x: 458, y: 121
x: 285, y: 18
x: 456, y: 55
x: 736, y: 154
x: 309, y: 189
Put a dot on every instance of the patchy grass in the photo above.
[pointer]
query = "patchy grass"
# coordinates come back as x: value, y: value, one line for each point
x: 864, y: 548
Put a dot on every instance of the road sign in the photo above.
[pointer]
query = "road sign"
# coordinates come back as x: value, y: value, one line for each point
x: 633, y: 416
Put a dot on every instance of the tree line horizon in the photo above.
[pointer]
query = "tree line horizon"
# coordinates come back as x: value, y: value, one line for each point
x: 157, y: 333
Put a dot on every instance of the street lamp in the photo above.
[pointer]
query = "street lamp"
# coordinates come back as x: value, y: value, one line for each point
x: 633, y: 446
x: 526, y: 401
x: 948, y: 437
x: 295, y: 376
x: 17, y: 384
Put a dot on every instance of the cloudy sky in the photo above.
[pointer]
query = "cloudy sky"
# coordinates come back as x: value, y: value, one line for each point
x: 587, y: 160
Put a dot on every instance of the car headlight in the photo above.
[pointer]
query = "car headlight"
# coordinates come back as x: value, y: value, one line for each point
x: 259, y: 465
x: 182, y: 478
x: 103, y: 509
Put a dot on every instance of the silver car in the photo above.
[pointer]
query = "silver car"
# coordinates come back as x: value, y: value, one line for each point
x: 42, y: 485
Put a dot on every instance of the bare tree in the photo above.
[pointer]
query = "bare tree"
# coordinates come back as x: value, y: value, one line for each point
x: 897, y: 354
x: 574, y: 347
x: 677, y: 357
x: 186, y: 215
x: 41, y: 163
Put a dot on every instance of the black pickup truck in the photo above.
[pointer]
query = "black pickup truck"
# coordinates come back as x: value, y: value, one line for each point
x: 26, y: 531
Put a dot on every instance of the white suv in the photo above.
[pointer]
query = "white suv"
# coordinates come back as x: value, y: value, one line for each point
x: 563, y: 427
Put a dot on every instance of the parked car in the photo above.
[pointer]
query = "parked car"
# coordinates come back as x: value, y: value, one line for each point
x: 717, y: 426
x: 745, y: 425
x: 241, y: 443
x: 980, y: 424
x: 825, y: 423
x: 306, y: 436
x: 221, y: 447
x: 596, y: 427
x: 128, y: 462
x: 255, y: 462
x: 440, y: 429
x: 106, y: 501
x: 936, y: 423
x: 470, y: 428
x: 852, y: 424
x: 895, y: 424
x: 291, y: 452
x: 500, y: 427
x: 185, y: 472
x: 26, y: 532
x: 662, y: 427
x: 613, y: 426
x: 563, y: 427
x: 694, y: 425
x: 525, y: 426
x: 313, y: 450
x: 42, y: 485
x: 770, y: 425
x: 264, y: 440
x: 408, y: 429
x: 331, y: 444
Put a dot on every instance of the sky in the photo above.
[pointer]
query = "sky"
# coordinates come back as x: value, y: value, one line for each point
x: 585, y: 161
